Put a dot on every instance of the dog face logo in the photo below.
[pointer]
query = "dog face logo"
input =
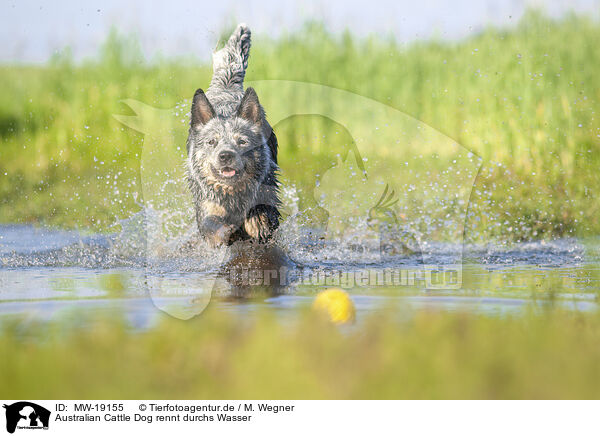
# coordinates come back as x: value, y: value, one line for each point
x: 26, y: 415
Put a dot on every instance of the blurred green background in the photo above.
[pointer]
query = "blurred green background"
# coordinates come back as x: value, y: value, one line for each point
x: 433, y: 355
x: 524, y: 99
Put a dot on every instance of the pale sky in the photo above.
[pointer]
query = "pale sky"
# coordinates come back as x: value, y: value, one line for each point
x: 30, y: 31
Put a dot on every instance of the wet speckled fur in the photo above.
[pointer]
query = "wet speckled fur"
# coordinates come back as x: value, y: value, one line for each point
x: 226, y: 121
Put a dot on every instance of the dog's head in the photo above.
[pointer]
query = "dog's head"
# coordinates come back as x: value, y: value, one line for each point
x: 227, y: 151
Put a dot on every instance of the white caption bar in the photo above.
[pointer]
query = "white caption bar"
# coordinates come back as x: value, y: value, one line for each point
x: 325, y: 417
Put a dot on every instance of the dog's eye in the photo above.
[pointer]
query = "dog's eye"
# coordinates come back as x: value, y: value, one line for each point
x: 242, y: 141
x: 213, y: 141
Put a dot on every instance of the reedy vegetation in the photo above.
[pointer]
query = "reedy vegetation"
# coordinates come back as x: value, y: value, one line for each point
x: 525, y: 99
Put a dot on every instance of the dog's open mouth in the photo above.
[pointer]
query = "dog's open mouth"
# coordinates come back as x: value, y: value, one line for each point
x: 227, y: 172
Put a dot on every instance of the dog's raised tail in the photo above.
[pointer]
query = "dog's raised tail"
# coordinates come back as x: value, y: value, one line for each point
x: 230, y: 63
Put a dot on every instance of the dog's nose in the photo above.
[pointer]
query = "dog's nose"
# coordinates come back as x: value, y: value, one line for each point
x: 225, y: 156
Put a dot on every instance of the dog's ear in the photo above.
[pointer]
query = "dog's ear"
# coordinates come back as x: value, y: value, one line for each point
x: 250, y: 107
x: 202, y: 110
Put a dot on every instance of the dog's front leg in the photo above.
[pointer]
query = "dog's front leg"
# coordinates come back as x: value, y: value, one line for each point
x: 212, y: 223
x: 216, y: 230
x: 261, y: 222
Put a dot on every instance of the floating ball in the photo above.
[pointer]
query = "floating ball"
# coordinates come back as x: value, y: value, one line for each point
x: 336, y: 305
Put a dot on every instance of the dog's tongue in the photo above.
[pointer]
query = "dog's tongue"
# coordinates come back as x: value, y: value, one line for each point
x: 228, y: 172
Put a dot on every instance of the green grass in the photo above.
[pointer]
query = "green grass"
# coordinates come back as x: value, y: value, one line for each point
x: 434, y: 355
x: 525, y: 99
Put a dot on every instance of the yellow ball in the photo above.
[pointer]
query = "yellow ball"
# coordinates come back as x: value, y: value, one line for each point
x: 336, y: 305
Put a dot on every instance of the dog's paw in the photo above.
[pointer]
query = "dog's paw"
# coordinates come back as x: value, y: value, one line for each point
x: 258, y: 227
x: 222, y: 235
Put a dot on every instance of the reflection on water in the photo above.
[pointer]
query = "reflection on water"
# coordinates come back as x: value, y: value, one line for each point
x: 45, y: 273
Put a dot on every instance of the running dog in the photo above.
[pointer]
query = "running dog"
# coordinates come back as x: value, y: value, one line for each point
x: 232, y: 153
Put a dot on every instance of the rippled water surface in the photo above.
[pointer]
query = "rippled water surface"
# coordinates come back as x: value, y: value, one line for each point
x: 48, y: 273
